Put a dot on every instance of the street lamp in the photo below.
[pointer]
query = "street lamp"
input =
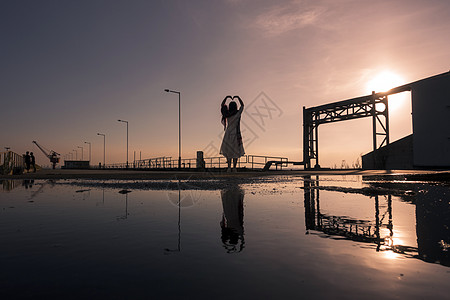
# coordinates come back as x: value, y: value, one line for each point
x: 127, y: 138
x: 104, y: 147
x: 179, y: 124
x: 89, y: 151
x: 76, y: 154
x: 81, y: 152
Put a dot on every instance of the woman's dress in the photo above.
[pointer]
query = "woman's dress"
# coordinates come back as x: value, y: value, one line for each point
x: 232, y: 146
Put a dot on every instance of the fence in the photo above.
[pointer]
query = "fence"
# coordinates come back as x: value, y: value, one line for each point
x: 216, y: 162
x: 11, y: 163
x: 258, y: 160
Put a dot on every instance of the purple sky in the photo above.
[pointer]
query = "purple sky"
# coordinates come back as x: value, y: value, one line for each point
x: 70, y: 69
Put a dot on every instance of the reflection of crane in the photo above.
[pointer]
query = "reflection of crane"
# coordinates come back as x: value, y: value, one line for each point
x: 52, y: 155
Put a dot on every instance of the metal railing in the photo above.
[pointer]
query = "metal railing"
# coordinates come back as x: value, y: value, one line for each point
x: 215, y: 162
x: 11, y: 162
x: 260, y: 160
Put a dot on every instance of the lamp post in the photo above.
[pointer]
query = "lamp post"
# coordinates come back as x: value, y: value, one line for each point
x: 81, y: 152
x: 89, y: 150
x: 104, y: 147
x: 76, y: 154
x: 127, y: 138
x: 179, y: 124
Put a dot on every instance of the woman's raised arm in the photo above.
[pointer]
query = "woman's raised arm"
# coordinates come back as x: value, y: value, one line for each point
x: 225, y: 100
x: 240, y: 100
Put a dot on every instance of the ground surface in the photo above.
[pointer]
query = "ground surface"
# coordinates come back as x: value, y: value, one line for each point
x: 155, y: 175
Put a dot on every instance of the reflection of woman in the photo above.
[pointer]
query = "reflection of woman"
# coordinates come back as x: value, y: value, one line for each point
x: 233, y: 219
x: 232, y: 147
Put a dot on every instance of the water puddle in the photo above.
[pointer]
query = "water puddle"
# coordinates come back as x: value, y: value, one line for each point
x: 277, y: 237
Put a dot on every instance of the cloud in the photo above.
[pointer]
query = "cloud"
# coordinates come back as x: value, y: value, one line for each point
x: 234, y: 2
x: 284, y: 18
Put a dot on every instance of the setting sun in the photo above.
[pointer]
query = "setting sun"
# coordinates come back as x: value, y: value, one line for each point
x: 385, y: 81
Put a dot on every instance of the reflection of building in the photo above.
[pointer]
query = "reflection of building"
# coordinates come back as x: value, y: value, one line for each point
x: 432, y: 218
x: 352, y: 229
x: 427, y: 147
x: 232, y: 223
x: 433, y: 221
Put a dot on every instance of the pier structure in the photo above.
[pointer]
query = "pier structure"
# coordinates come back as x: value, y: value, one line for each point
x: 427, y: 147
x: 375, y: 106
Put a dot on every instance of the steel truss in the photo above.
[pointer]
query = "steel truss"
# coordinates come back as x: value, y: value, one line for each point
x: 374, y: 105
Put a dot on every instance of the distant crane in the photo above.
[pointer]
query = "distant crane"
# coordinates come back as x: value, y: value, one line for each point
x: 52, y: 155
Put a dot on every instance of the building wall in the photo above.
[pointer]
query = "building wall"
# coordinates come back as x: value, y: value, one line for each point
x: 431, y: 122
x: 76, y: 164
x: 396, y: 156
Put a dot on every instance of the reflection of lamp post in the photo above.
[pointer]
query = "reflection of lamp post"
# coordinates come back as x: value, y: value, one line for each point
x: 81, y: 152
x: 104, y: 147
x: 126, y: 205
x: 76, y: 154
x: 89, y: 151
x: 179, y: 124
x: 127, y: 138
x: 179, y: 223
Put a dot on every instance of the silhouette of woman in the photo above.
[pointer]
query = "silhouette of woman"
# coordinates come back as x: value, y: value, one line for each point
x: 232, y: 223
x: 232, y: 147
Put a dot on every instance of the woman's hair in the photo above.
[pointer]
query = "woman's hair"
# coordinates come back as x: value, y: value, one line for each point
x: 228, y: 112
x: 232, y: 108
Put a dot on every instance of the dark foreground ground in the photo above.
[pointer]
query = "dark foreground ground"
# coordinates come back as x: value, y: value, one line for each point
x: 408, y: 175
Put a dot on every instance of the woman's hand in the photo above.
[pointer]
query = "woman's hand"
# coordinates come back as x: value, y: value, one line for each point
x: 225, y: 100
x: 240, y: 100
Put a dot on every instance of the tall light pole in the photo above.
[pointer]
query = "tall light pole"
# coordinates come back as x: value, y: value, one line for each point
x: 104, y: 147
x: 127, y: 138
x: 76, y: 154
x: 81, y: 152
x: 89, y: 150
x: 179, y: 124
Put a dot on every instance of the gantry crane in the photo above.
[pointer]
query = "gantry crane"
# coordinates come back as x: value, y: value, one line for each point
x: 52, y: 155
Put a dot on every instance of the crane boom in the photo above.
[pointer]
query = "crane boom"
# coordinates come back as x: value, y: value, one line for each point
x: 52, y: 155
x: 42, y: 149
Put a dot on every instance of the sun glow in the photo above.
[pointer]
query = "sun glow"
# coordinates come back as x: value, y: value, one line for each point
x: 390, y: 254
x: 385, y: 81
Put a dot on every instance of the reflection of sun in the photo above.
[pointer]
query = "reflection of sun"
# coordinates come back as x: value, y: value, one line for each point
x: 390, y: 254
x: 385, y: 81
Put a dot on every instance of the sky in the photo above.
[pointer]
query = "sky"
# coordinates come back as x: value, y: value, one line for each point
x: 71, y: 69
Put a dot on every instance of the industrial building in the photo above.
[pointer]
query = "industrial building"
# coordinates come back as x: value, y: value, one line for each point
x: 428, y: 147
